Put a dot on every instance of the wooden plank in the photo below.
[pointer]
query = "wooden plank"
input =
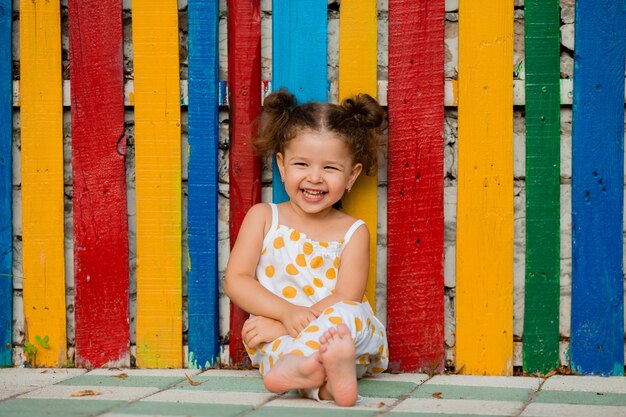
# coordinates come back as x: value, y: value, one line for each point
x: 6, y: 229
x: 100, y: 216
x: 202, y: 278
x: 484, y: 254
x: 299, y: 44
x: 542, y: 290
x: 415, y: 311
x: 41, y: 117
x: 357, y: 74
x: 597, y: 345
x: 244, y: 76
x: 158, y: 173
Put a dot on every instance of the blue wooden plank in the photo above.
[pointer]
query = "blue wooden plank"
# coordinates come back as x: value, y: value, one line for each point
x: 203, y: 296
x: 6, y: 232
x: 299, y: 64
x: 597, y: 344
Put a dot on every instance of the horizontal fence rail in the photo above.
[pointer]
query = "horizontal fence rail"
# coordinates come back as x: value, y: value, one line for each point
x: 407, y: 224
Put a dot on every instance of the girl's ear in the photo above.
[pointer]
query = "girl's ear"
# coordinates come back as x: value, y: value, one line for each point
x: 354, y: 174
x: 280, y: 161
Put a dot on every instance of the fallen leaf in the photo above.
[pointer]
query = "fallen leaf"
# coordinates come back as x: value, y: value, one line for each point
x: 44, y: 371
x: 121, y: 376
x: 437, y: 395
x: 192, y: 382
x: 381, y: 404
x: 84, y: 393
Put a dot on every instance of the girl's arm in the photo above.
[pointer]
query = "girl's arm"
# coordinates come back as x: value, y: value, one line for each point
x: 242, y: 287
x: 353, y: 271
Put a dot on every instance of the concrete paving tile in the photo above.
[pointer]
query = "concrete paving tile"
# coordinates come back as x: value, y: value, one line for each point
x: 105, y: 393
x: 145, y: 372
x: 293, y: 401
x: 231, y: 373
x: 310, y: 412
x: 222, y: 383
x: 147, y: 408
x: 471, y: 407
x: 35, y: 407
x: 614, y: 384
x: 385, y: 388
x: 570, y: 410
x: 15, y: 381
x: 581, y: 397
x: 487, y: 381
x: 463, y: 392
x: 407, y: 377
x: 124, y: 381
x: 211, y: 397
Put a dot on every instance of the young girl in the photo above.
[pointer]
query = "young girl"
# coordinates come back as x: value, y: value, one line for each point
x: 300, y: 268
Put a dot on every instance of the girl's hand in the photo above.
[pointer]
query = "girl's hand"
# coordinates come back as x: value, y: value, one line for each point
x: 296, y: 318
x: 259, y: 329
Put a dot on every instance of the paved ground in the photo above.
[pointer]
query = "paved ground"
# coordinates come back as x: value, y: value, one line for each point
x: 131, y: 392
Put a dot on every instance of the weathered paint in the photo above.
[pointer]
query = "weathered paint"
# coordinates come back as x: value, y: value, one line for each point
x: 415, y: 311
x: 98, y: 172
x: 597, y: 345
x: 202, y: 277
x: 542, y: 291
x: 6, y: 229
x: 357, y: 74
x: 41, y: 118
x: 299, y: 43
x: 484, y: 253
x: 157, y: 178
x: 244, y: 72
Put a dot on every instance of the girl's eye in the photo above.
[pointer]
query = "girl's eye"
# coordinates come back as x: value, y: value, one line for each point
x: 300, y: 164
x: 331, y: 168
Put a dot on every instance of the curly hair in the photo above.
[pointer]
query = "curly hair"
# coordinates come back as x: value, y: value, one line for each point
x: 357, y: 120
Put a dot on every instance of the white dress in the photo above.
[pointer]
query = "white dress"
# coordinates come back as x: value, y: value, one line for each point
x: 304, y: 271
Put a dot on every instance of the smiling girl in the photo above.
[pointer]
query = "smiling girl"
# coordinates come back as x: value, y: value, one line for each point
x: 300, y: 268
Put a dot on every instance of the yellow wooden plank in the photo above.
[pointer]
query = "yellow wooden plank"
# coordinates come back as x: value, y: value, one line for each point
x: 484, y: 275
x: 158, y: 183
x: 357, y: 74
x: 41, y: 119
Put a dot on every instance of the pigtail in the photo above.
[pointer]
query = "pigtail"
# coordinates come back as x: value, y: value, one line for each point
x: 364, y: 117
x: 273, y: 121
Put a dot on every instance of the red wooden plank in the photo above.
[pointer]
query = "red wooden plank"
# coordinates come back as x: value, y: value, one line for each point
x: 244, y: 79
x: 415, y: 289
x: 100, y: 217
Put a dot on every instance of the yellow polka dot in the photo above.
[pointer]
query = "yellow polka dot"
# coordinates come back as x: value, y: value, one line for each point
x: 335, y: 320
x: 297, y: 352
x: 262, y: 368
x: 275, y: 345
x: 313, y: 344
x: 378, y: 370
x: 289, y: 291
x: 369, y: 322
x: 271, y: 362
x: 324, y: 244
x: 318, y: 282
x: 311, y: 329
x: 362, y: 360
x: 263, y: 251
x: 380, y: 349
x: 251, y: 351
x: 336, y: 262
x: 358, y: 323
x: 269, y: 271
x: 351, y: 303
x: 308, y: 290
x: 317, y: 262
x: 307, y: 248
x: 300, y: 260
x: 295, y: 236
x: 279, y: 242
x: 291, y: 269
x: 331, y: 274
x: 328, y: 310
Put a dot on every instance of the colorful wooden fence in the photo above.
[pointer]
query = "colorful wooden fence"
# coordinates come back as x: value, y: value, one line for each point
x: 416, y: 100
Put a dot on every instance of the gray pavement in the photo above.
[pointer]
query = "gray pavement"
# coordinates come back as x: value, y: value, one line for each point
x: 185, y: 392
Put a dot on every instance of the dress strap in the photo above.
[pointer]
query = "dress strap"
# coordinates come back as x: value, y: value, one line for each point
x: 351, y: 231
x: 274, y: 216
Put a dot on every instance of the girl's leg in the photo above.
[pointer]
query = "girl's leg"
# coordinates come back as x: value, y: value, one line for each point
x: 293, y: 371
x: 338, y: 357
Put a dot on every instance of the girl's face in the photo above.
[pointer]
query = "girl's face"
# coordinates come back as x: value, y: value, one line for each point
x: 317, y: 168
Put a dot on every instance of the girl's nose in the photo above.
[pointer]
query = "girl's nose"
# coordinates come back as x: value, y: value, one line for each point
x: 315, y: 176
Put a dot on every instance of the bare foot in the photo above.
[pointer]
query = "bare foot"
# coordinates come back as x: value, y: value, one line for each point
x: 338, y: 354
x: 295, y: 372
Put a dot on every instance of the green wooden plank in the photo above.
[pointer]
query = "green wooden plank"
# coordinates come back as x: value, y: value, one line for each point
x: 541, y: 309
